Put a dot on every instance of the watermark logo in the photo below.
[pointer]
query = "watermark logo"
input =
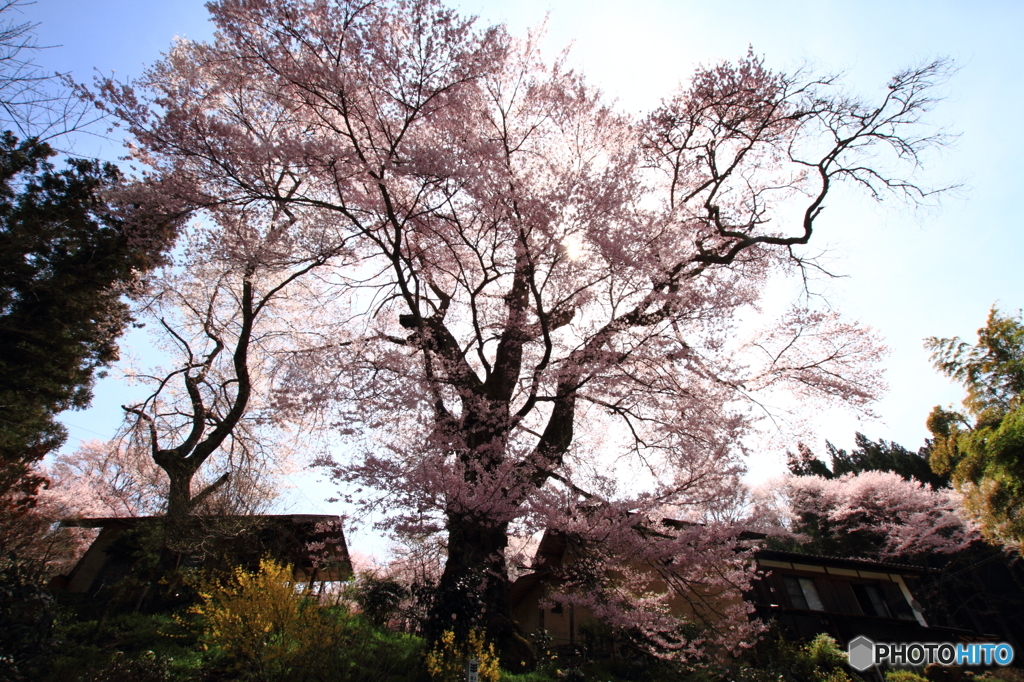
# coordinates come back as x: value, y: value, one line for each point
x: 865, y: 653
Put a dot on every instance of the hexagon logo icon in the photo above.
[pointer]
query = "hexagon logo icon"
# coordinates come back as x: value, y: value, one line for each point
x: 862, y: 653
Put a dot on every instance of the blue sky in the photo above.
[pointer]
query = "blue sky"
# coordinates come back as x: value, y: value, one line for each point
x: 909, y: 274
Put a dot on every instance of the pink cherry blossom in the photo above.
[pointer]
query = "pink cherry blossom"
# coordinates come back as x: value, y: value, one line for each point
x: 534, y: 294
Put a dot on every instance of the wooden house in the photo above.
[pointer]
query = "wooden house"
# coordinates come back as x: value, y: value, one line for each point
x: 845, y: 598
x: 314, y: 545
x: 806, y: 595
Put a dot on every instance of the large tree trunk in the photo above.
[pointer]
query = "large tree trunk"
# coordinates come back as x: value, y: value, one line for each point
x: 179, y: 495
x: 180, y: 501
x: 475, y: 592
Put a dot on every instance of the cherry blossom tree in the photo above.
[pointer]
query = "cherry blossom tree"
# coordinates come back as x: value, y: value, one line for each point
x: 875, y: 514
x: 96, y: 480
x: 103, y: 479
x: 543, y: 292
x: 36, y: 542
x: 226, y: 315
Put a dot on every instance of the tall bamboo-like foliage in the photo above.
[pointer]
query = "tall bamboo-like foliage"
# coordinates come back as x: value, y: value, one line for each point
x: 982, y: 449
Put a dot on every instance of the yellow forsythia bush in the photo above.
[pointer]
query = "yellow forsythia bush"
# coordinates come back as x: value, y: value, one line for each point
x: 258, y: 619
x: 447, y: 661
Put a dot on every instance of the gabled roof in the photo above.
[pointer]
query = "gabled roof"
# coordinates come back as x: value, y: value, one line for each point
x: 796, y: 558
x: 129, y: 521
x: 314, y: 544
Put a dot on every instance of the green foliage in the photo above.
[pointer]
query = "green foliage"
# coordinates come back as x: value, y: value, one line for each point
x: 982, y: 449
x: 67, y: 257
x: 342, y: 648
x: 261, y: 627
x: 869, y: 455
x: 903, y: 676
x: 992, y: 370
x: 823, y: 652
x: 122, y: 644
x: 26, y: 621
x: 774, y: 659
x: 535, y: 676
x: 379, y: 599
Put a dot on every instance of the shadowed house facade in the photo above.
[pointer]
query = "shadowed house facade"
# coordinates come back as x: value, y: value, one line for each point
x: 534, y: 610
x: 531, y: 590
x: 846, y: 598
x: 314, y: 545
x: 805, y: 594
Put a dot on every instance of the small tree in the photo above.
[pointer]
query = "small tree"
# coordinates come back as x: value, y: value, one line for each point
x: 379, y: 598
x: 226, y: 315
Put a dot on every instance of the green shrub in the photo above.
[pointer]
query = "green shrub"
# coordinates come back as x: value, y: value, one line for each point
x: 261, y: 627
x: 126, y: 641
x: 535, y: 676
x: 774, y: 659
x: 26, y: 621
x: 824, y: 652
x: 903, y: 676
x: 379, y: 599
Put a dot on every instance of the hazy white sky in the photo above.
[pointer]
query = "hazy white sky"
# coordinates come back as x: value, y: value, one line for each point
x: 908, y: 274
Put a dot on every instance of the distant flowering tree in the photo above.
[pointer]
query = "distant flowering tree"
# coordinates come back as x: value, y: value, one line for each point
x: 541, y: 292
x: 876, y: 514
x: 37, y: 543
x: 96, y: 480
x: 102, y: 480
x: 106, y: 480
